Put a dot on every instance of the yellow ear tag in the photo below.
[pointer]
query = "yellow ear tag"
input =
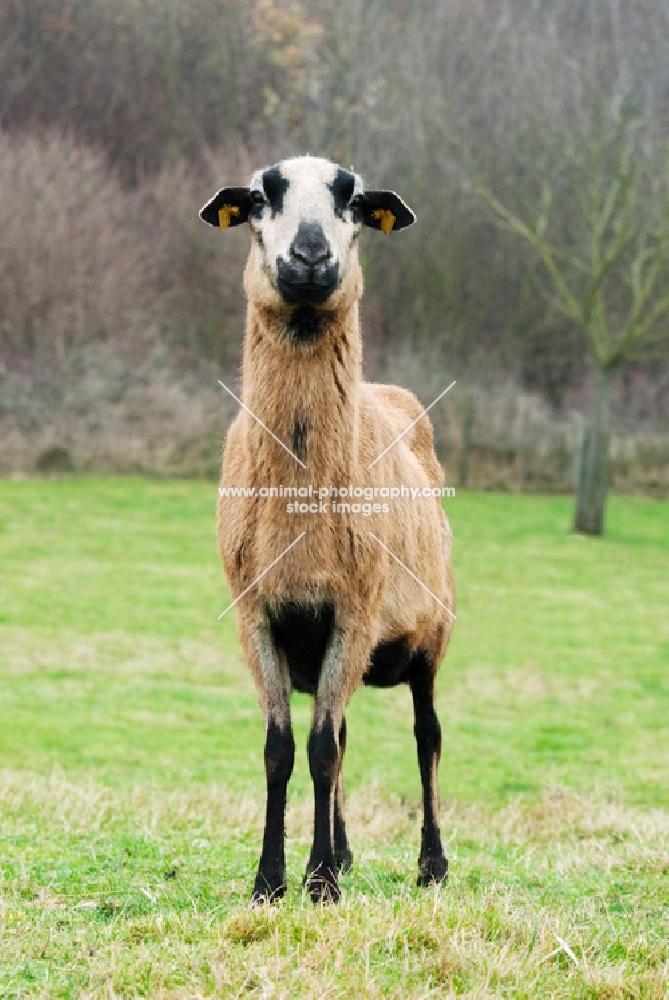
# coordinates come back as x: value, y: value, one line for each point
x: 225, y: 215
x: 386, y: 218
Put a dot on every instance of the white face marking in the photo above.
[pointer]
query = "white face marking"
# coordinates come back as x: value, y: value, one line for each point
x: 300, y: 191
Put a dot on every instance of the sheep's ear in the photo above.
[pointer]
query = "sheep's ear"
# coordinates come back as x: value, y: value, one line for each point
x: 230, y: 207
x: 385, y: 210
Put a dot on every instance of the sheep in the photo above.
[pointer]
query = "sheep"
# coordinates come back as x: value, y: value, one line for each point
x: 327, y: 601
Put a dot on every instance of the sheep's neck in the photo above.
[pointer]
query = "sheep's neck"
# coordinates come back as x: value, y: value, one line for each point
x: 308, y: 396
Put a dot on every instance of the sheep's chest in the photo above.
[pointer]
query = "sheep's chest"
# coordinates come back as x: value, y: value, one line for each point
x: 303, y: 634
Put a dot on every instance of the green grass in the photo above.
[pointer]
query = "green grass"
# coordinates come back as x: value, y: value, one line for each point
x: 131, y: 788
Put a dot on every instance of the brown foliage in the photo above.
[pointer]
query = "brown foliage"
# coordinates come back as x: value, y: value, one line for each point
x: 83, y: 260
x: 119, y: 119
x: 149, y: 81
x: 70, y: 268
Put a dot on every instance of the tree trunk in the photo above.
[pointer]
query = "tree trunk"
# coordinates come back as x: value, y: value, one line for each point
x: 466, y: 425
x: 593, y: 462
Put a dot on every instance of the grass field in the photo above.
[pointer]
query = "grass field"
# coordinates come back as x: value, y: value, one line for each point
x: 131, y: 781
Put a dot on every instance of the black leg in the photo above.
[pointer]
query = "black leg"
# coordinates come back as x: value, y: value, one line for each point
x: 432, y: 864
x: 270, y: 881
x: 342, y: 850
x: 321, y: 874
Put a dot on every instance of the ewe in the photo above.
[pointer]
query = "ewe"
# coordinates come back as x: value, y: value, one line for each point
x: 327, y: 598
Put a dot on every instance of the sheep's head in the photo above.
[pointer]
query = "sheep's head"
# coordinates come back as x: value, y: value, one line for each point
x: 305, y: 216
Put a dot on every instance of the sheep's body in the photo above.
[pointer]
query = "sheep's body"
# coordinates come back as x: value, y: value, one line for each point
x: 337, y: 555
x: 336, y: 610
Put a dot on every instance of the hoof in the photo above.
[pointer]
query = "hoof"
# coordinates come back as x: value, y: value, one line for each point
x: 432, y: 870
x: 267, y: 891
x: 322, y: 885
x: 344, y: 861
x: 323, y: 891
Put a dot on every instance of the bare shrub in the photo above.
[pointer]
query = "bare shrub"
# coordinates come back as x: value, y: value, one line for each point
x: 195, y: 280
x: 118, y: 312
x: 70, y: 269
x: 83, y: 260
x: 490, y: 433
x: 151, y: 81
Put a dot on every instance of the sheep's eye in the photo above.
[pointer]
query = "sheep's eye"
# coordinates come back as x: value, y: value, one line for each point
x: 257, y: 197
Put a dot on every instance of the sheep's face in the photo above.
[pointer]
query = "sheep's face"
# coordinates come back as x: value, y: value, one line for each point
x: 305, y: 216
x: 305, y: 229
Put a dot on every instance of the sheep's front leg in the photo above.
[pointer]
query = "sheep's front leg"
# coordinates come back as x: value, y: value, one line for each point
x: 327, y: 739
x: 330, y: 852
x: 324, y: 759
x: 432, y: 864
x: 270, y: 881
x: 342, y: 850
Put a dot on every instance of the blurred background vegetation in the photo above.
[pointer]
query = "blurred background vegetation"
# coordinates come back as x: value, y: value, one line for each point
x: 119, y: 310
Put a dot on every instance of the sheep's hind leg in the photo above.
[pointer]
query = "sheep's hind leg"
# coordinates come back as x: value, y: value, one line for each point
x: 432, y: 864
x: 342, y: 850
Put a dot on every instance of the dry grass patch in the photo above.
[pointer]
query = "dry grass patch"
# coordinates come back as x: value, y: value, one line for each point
x: 114, y: 894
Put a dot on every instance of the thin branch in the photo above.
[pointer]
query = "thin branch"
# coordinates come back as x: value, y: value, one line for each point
x: 567, y: 303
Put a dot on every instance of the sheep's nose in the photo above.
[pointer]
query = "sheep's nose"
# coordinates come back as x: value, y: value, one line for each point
x: 310, y: 246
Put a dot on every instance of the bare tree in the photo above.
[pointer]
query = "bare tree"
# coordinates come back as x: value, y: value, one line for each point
x: 606, y: 267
